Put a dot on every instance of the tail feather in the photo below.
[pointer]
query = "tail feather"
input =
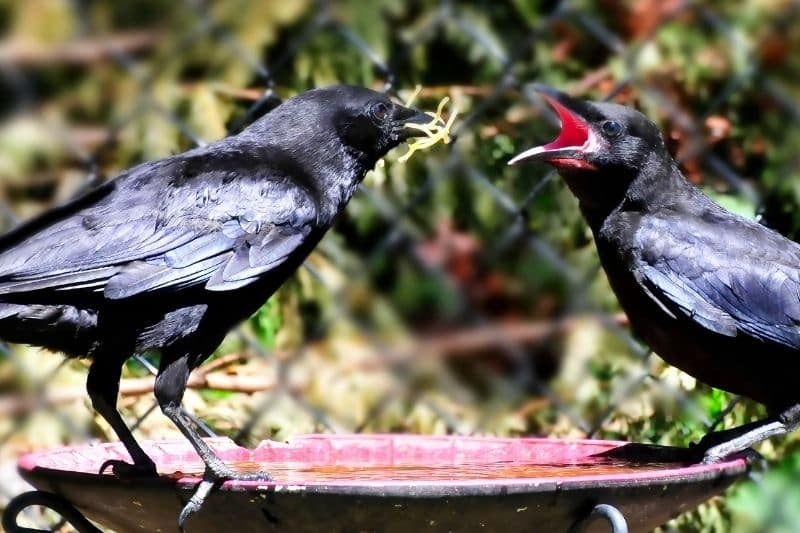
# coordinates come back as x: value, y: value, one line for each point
x: 60, y: 328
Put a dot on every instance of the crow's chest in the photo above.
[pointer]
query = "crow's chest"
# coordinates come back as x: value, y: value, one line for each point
x: 665, y: 333
x: 647, y: 318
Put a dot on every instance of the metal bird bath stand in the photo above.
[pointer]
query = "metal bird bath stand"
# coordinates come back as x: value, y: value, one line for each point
x: 388, y: 483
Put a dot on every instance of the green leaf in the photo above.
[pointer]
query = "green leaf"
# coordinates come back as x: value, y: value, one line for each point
x: 267, y: 322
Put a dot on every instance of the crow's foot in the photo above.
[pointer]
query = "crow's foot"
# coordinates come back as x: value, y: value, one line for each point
x: 124, y: 470
x: 222, y: 472
x: 724, y: 451
x: 215, y: 475
x: 718, y: 446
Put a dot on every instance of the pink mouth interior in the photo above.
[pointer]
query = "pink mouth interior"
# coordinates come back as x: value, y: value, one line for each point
x: 574, y: 131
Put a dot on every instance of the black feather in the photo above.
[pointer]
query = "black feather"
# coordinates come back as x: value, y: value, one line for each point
x: 713, y: 293
x: 171, y: 254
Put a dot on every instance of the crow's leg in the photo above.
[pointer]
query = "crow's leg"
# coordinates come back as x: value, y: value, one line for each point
x: 719, y: 445
x: 170, y: 386
x: 169, y: 389
x: 103, y: 388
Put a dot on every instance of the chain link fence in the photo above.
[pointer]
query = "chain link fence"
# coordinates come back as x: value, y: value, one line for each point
x: 456, y: 294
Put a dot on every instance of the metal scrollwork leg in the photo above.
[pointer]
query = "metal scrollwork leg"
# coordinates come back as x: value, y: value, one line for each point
x: 610, y: 513
x: 51, y: 501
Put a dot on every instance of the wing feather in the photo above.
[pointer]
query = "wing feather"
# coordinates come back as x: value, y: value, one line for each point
x: 152, y: 230
x: 251, y: 260
x: 729, y: 283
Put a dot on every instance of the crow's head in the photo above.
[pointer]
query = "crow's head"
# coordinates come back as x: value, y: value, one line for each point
x: 595, y: 136
x: 368, y: 121
x: 363, y: 122
x: 601, y: 149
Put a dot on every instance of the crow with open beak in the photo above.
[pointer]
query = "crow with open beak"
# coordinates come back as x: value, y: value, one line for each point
x: 712, y: 293
x: 172, y: 254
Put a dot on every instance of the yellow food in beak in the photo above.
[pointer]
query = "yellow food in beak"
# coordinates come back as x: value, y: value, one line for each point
x: 436, y: 131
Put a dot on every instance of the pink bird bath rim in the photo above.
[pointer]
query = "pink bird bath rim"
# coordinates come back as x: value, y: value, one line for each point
x: 346, y: 482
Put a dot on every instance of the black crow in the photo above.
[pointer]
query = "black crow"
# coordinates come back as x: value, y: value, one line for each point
x: 172, y: 254
x: 713, y: 293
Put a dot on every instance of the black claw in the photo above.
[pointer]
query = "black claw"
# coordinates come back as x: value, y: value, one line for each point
x: 123, y: 470
x: 195, y: 503
x: 750, y: 456
x: 211, y: 480
x: 754, y: 458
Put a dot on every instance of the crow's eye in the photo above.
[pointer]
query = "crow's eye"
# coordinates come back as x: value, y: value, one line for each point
x: 611, y: 128
x: 380, y: 111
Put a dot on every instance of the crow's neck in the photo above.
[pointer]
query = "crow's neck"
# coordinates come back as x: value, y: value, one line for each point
x: 327, y: 170
x: 334, y: 179
x: 658, y: 184
x: 315, y: 159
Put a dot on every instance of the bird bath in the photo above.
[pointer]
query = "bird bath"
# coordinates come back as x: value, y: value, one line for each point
x: 387, y: 483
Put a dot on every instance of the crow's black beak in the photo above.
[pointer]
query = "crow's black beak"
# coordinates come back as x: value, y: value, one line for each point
x: 576, y: 138
x: 407, y: 115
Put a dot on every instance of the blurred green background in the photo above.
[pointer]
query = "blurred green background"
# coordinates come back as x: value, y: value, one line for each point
x: 456, y: 294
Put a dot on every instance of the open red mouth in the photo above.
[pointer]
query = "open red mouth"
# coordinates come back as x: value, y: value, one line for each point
x: 574, y: 140
x: 574, y: 131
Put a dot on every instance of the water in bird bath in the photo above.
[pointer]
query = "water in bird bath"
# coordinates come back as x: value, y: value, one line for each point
x: 306, y: 472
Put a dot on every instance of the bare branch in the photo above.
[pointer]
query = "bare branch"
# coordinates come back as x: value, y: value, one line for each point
x: 29, y: 54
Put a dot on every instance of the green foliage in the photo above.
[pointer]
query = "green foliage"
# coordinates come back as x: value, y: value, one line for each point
x: 267, y: 321
x: 715, y: 402
x: 211, y: 395
x: 772, y: 503
x: 737, y: 204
